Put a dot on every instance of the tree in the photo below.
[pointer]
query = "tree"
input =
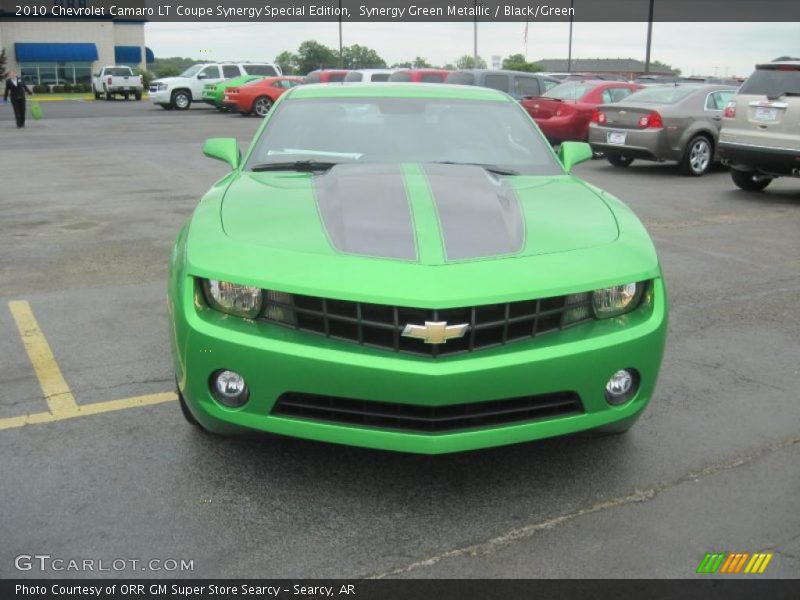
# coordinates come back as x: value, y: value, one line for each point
x: 3, y: 64
x: 171, y: 66
x: 361, y: 57
x: 468, y: 62
x: 288, y: 62
x: 312, y: 55
x: 517, y: 62
x: 403, y: 65
x: 657, y: 65
x: 421, y: 63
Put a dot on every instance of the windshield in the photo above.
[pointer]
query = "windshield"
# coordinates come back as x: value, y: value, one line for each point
x: 666, y: 94
x: 571, y: 90
x: 461, y: 78
x: 773, y: 83
x: 404, y: 130
x: 191, y: 71
x: 267, y: 70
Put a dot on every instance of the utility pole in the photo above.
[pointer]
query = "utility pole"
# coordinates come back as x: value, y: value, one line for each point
x: 341, y: 56
x: 649, y: 37
x: 475, y: 39
x: 569, y: 50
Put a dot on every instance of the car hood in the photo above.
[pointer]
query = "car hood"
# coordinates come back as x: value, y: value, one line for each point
x: 169, y: 80
x: 426, y: 214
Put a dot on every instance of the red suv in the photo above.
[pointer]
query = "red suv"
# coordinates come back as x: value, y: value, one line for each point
x: 564, y: 112
x: 420, y: 75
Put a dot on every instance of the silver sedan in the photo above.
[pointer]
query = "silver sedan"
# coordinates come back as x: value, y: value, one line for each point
x: 676, y: 122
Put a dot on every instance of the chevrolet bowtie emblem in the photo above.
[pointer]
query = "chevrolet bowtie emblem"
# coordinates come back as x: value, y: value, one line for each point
x: 435, y: 332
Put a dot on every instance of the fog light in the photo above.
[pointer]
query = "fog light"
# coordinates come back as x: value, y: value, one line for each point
x: 622, y: 386
x: 229, y: 388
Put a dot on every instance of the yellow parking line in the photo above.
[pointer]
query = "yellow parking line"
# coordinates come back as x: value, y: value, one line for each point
x: 87, y: 409
x: 56, y: 391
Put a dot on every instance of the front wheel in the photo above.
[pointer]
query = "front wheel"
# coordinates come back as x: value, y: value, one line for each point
x: 181, y: 100
x: 138, y: 95
x: 96, y: 95
x: 750, y: 180
x: 697, y: 159
x: 109, y: 96
x: 618, y: 160
x: 262, y: 105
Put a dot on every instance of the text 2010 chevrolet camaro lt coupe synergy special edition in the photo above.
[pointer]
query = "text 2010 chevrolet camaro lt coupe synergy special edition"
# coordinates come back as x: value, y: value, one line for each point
x: 411, y: 267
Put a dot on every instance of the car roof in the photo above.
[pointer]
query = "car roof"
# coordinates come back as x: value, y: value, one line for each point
x: 500, y: 72
x: 779, y: 63
x: 397, y: 90
x: 372, y: 71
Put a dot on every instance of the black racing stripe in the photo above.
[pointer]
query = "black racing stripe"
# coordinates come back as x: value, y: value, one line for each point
x: 365, y: 210
x: 479, y: 213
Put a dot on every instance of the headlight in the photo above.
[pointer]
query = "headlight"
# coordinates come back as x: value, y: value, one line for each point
x: 617, y: 300
x: 161, y: 86
x: 231, y: 298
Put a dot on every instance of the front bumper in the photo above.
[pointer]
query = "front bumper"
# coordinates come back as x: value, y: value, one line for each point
x: 160, y: 97
x: 274, y: 360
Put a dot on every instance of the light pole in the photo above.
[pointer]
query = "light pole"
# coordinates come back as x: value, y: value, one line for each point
x: 649, y: 37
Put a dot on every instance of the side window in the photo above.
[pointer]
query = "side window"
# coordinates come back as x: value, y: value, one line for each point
x: 210, y: 72
x: 718, y: 100
x: 496, y: 82
x: 230, y: 71
x: 431, y: 78
x: 336, y: 77
x: 606, y: 97
x: 380, y: 77
x: 619, y: 93
x: 526, y: 86
x: 548, y: 84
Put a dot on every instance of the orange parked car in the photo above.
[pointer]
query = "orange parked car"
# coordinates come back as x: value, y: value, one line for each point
x: 258, y: 97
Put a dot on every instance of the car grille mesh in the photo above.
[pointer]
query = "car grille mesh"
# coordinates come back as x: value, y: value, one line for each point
x: 381, y: 326
x: 427, y: 419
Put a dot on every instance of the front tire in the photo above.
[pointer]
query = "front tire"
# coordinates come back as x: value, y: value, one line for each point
x: 750, y: 180
x: 96, y: 95
x: 138, y: 96
x: 618, y: 160
x: 698, y: 157
x: 181, y: 100
x: 262, y: 105
x: 109, y: 96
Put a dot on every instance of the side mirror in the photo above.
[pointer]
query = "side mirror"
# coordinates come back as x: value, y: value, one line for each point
x: 573, y: 153
x: 224, y: 149
x: 201, y: 75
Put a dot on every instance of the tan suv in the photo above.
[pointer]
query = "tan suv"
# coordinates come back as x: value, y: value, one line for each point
x: 760, y: 136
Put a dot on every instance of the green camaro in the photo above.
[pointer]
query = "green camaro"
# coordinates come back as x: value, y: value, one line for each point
x: 214, y: 93
x: 411, y: 267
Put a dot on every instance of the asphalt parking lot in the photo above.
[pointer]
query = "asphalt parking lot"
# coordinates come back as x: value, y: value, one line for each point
x: 91, y: 199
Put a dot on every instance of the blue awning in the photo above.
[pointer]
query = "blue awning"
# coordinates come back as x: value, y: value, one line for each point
x: 151, y: 58
x: 27, y: 52
x: 127, y: 54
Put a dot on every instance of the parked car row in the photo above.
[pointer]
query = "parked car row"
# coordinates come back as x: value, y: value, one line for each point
x: 754, y: 129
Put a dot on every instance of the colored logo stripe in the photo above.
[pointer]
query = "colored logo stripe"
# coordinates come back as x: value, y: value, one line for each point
x: 734, y: 562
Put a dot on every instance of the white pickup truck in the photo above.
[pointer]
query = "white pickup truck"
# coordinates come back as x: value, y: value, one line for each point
x: 112, y: 81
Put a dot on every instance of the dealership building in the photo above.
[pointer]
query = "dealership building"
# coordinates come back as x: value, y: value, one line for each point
x: 70, y: 50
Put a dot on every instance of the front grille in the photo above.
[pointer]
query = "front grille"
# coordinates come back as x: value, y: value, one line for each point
x: 381, y: 326
x: 427, y: 419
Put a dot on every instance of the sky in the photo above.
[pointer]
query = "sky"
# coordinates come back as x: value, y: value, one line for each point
x: 695, y: 48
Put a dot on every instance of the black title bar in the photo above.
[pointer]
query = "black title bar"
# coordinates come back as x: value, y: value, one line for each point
x: 267, y: 11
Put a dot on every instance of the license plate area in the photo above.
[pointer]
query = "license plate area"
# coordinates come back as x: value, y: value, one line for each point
x: 765, y: 113
x: 616, y: 137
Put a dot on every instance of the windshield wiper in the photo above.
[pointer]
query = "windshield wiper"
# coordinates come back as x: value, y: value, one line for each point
x: 496, y: 169
x: 296, y: 165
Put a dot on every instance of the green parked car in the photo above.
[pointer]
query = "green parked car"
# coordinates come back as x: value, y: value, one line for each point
x: 214, y: 93
x: 412, y: 268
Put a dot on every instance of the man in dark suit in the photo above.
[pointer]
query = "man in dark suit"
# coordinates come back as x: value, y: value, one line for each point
x: 16, y: 89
